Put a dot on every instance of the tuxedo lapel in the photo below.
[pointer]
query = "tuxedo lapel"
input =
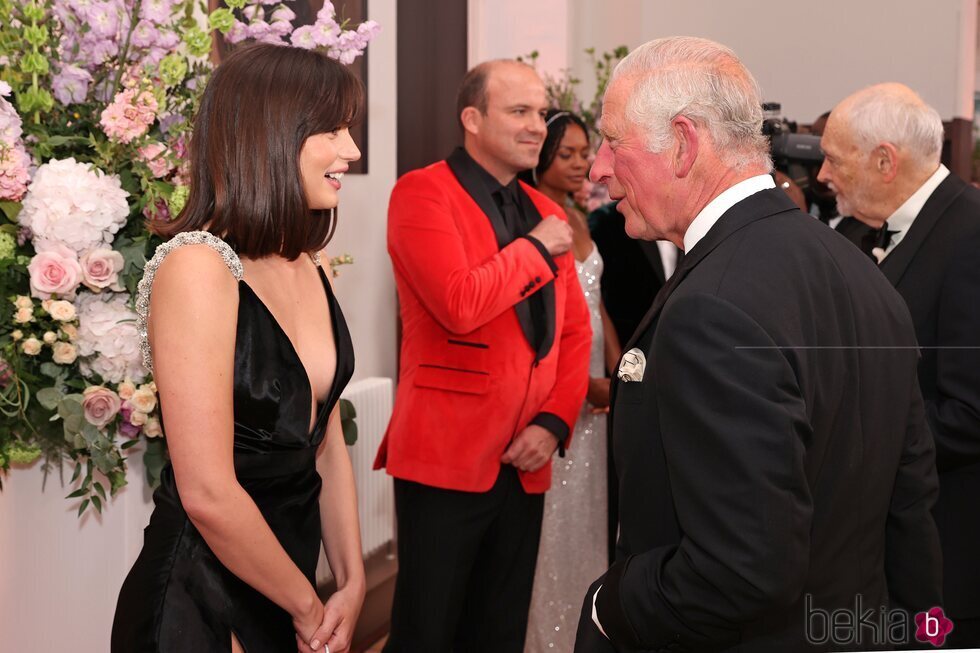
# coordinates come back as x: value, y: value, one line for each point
x: 463, y: 168
x: 755, y: 207
x: 898, y: 260
x: 547, y: 291
x: 469, y: 179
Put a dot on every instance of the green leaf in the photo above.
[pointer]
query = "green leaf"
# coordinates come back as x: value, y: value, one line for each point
x: 49, y: 397
x: 77, y: 493
x: 129, y: 445
x: 82, y: 507
x: 78, y: 472
x: 11, y: 210
x: 154, y: 460
x: 97, y: 502
x: 53, y: 370
x: 100, y: 490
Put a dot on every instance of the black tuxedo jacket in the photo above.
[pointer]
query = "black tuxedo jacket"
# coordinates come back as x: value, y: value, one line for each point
x: 936, y: 268
x: 775, y: 449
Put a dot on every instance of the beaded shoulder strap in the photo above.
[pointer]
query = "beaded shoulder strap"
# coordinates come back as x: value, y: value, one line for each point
x: 149, y: 272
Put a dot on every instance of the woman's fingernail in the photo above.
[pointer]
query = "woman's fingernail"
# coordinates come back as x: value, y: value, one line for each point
x: 315, y: 644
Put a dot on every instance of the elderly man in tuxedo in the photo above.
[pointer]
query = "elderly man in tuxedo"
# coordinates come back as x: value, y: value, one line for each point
x: 883, y: 146
x: 768, y: 428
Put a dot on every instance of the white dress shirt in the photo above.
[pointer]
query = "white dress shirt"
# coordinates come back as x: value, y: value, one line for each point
x: 700, y: 226
x: 903, y: 217
x: 668, y: 257
x: 710, y: 214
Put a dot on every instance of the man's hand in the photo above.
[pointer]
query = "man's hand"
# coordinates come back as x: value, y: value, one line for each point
x: 531, y: 449
x: 555, y: 234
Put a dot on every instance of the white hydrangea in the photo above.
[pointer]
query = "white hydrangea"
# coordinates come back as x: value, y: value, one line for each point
x: 108, y: 342
x: 74, y: 204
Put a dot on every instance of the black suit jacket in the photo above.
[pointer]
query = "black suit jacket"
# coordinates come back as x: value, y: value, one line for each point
x: 776, y: 447
x: 936, y: 268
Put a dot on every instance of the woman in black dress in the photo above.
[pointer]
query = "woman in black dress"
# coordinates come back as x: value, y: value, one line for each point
x: 250, y: 353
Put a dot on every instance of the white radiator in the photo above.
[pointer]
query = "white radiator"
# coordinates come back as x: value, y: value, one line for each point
x: 373, y: 399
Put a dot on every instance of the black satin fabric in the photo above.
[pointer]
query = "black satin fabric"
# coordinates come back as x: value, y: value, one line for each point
x: 178, y: 596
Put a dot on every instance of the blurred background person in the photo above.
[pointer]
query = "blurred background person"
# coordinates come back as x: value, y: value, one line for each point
x: 574, y: 545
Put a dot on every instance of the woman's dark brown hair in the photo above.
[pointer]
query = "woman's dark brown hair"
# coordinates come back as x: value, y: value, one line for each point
x: 258, y: 109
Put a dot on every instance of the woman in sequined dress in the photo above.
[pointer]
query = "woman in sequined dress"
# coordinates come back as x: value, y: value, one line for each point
x: 574, y: 534
x: 250, y: 352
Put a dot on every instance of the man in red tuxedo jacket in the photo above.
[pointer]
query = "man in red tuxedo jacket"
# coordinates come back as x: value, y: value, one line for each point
x: 494, y: 368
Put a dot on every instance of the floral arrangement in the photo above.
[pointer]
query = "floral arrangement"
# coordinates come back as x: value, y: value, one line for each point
x: 562, y: 94
x: 96, y: 102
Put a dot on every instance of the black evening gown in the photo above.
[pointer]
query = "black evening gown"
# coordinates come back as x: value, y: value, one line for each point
x: 178, y: 596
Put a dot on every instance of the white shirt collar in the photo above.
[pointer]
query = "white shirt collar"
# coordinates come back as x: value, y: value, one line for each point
x: 710, y: 214
x: 903, y: 217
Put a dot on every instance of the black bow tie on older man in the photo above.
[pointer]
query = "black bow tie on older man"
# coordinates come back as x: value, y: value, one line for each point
x: 877, y: 239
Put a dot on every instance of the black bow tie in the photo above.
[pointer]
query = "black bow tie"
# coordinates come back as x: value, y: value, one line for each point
x: 877, y: 238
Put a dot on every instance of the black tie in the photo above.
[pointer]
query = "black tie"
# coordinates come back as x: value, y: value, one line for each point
x: 877, y: 238
x: 511, y: 214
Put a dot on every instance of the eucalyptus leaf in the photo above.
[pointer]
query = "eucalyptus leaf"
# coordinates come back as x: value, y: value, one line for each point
x: 49, y: 397
x: 53, y: 370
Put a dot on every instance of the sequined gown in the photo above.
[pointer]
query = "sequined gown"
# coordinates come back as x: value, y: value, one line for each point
x: 573, y: 551
x: 178, y: 596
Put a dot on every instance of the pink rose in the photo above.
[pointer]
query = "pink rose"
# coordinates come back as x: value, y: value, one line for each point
x: 54, y: 271
x: 101, y: 405
x: 101, y: 268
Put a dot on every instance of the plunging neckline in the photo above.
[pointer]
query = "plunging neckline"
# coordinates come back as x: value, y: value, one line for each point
x: 316, y: 406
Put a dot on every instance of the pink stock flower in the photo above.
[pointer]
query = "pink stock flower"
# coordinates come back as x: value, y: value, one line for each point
x: 55, y: 271
x: 130, y: 115
x: 15, y: 174
x: 155, y: 156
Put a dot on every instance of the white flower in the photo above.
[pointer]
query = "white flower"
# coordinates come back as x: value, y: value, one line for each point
x: 108, y: 342
x: 21, y: 301
x: 137, y: 418
x: 143, y: 400
x: 70, y: 331
x: 62, y: 311
x: 126, y: 390
x: 24, y: 315
x: 17, y: 335
x: 31, y: 346
x: 50, y: 337
x: 64, y: 353
x: 152, y: 428
x: 74, y: 204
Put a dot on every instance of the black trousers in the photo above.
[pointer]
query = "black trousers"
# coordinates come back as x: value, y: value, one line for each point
x: 465, y: 567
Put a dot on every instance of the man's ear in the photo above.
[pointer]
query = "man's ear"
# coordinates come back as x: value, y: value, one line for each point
x: 472, y: 120
x: 686, y: 145
x: 885, y: 161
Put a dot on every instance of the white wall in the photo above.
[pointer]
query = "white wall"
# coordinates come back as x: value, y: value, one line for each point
x: 366, y: 289
x: 505, y: 29
x: 809, y: 55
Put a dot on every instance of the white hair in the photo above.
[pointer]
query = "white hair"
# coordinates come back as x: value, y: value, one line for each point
x: 703, y: 81
x: 893, y: 113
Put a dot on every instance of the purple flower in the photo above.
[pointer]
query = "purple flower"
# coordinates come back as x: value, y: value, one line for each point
x: 281, y: 28
x: 153, y: 57
x: 326, y: 13
x: 283, y: 13
x: 70, y: 85
x: 103, y: 18
x: 156, y: 11
x: 253, y: 12
x: 237, y: 33
x: 258, y: 29
x: 303, y: 37
x: 168, y: 40
x: 145, y: 35
x: 325, y: 34
x: 24, y: 236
